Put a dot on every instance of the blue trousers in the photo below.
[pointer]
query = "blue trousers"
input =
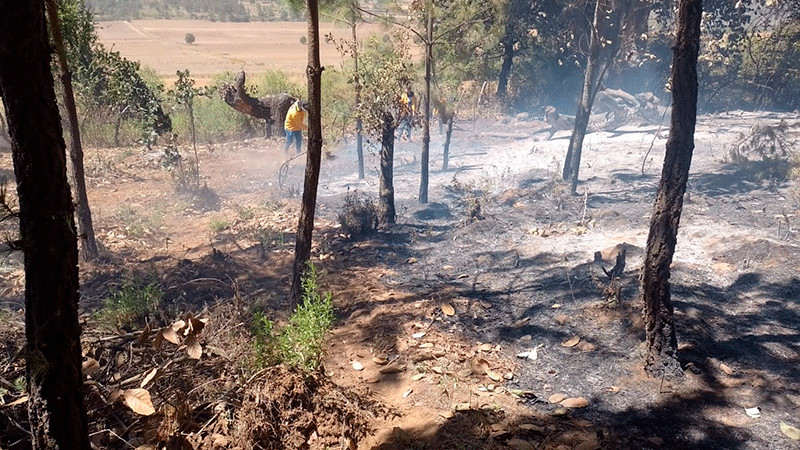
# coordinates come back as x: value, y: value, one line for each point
x: 297, y: 137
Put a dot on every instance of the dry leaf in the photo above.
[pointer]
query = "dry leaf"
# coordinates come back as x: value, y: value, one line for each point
x: 556, y: 305
x: 575, y: 402
x: 90, y: 366
x: 357, y: 366
x: 572, y: 342
x: 426, y: 345
x: 519, y: 444
x: 792, y: 432
x: 169, y: 334
x: 139, y: 401
x: 149, y: 377
x: 193, y: 347
x: 521, y: 322
x: 115, y: 395
x: 195, y: 325
x: 418, y: 377
x: 380, y: 360
x: 556, y: 398
x: 613, y: 389
x: 179, y: 326
x: 725, y: 368
x: 462, y: 407
x: 418, y: 335
x: 447, y: 414
x: 485, y: 347
x: 16, y: 402
x: 494, y: 376
x: 144, y: 336
x: 586, y: 346
x: 448, y: 309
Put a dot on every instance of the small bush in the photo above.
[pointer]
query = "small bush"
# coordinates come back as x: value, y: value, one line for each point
x: 131, y: 303
x: 189, y: 38
x: 359, y: 215
x: 298, y: 344
x: 267, y: 236
x: 218, y: 225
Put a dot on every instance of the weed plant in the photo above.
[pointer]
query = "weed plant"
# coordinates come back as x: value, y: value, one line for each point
x: 130, y: 304
x: 298, y: 344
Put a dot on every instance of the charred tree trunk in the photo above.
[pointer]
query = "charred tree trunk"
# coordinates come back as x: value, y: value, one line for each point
x: 47, y: 229
x: 302, y: 250
x: 271, y: 108
x: 658, y: 310
x: 505, y: 69
x: 603, y: 46
x: 446, y: 153
x: 386, y: 190
x: 88, y: 244
x: 426, y: 125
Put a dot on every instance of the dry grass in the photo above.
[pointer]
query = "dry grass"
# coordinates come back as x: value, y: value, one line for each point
x: 219, y: 47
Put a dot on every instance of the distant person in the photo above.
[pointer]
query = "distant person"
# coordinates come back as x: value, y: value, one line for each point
x: 408, y: 109
x: 295, y: 124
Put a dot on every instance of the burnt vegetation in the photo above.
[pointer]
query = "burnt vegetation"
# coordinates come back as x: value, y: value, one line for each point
x: 606, y: 258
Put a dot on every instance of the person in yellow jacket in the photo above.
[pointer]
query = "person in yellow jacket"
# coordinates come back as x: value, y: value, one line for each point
x: 408, y: 109
x: 294, y: 125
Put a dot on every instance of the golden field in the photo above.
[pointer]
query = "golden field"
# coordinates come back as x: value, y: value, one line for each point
x: 221, y: 46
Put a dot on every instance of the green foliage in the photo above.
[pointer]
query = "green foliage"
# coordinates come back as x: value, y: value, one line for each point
x: 359, y: 214
x: 298, y: 344
x: 385, y: 72
x: 108, y: 87
x: 267, y: 236
x: 130, y: 303
x: 757, y: 67
x: 218, y: 224
x: 189, y: 38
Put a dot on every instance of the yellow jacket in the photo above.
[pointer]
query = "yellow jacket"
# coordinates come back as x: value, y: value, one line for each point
x: 294, y: 119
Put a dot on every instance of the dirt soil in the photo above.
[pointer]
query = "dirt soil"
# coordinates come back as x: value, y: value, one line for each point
x: 438, y: 308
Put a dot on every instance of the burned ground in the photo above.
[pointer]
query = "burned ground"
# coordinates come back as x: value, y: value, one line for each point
x: 505, y: 245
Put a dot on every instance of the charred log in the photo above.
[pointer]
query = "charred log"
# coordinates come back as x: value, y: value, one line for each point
x: 271, y: 108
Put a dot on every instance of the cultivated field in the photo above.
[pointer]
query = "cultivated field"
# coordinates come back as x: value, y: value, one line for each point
x: 219, y: 47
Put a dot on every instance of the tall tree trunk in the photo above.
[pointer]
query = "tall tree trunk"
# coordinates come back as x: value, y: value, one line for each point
x: 302, y: 249
x: 604, y: 43
x: 386, y: 190
x: 446, y: 154
x: 359, y: 136
x: 47, y: 229
x: 88, y: 244
x: 508, y: 60
x: 190, y: 110
x: 426, y: 125
x: 658, y: 310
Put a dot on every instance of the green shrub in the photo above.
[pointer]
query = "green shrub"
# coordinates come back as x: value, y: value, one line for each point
x: 217, y: 225
x: 298, y: 344
x: 131, y: 303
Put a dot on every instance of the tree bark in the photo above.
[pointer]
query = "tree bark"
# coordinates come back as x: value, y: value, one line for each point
x: 426, y: 125
x: 305, y: 228
x: 386, y: 190
x: 505, y: 69
x: 53, y: 369
x: 271, y: 108
x: 658, y: 309
x: 88, y: 243
x: 359, y: 136
x: 603, y: 46
x: 446, y: 154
